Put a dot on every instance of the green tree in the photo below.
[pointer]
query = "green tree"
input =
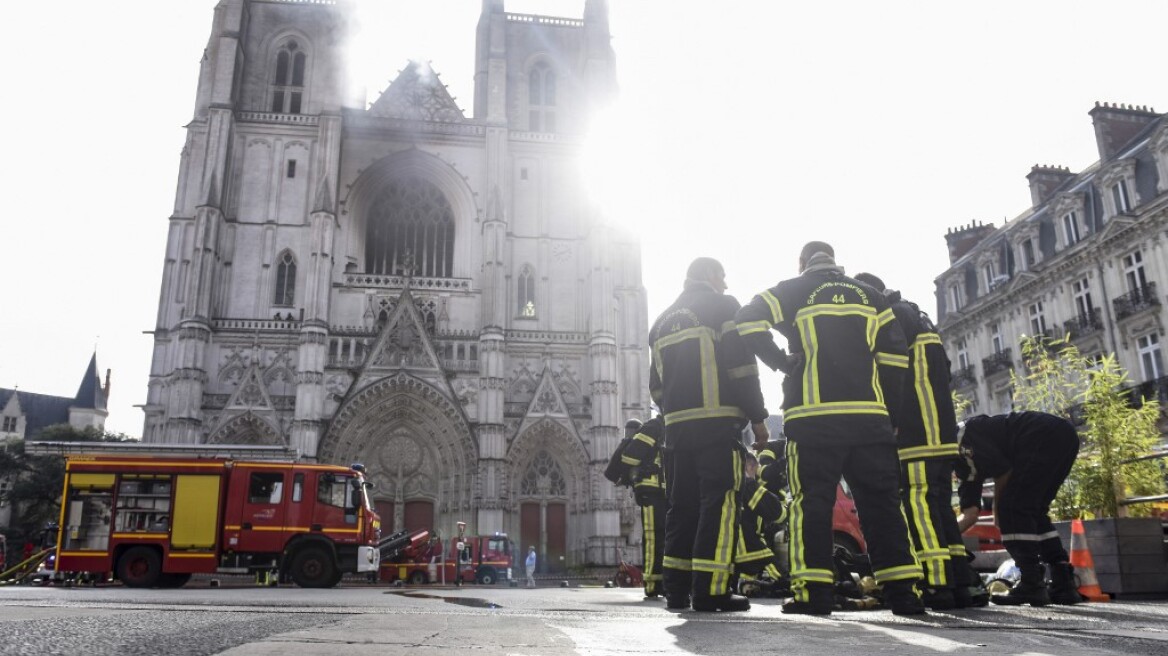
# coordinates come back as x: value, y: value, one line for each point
x: 37, y: 481
x: 1115, y: 427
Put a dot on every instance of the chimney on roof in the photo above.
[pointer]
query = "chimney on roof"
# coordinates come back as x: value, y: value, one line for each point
x: 1116, y: 125
x: 1044, y: 180
x: 963, y: 239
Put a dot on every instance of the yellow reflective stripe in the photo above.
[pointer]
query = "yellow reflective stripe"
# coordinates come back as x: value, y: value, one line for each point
x: 795, y: 524
x: 957, y: 551
x: 673, y: 562
x: 918, y: 490
x: 808, y: 575
x: 649, y: 482
x: 940, y: 553
x: 892, y: 360
x: 837, y: 310
x: 684, y: 335
x: 773, y: 304
x: 744, y: 371
x: 767, y: 453
x: 727, y: 327
x: 925, y: 398
x: 928, y: 338
x: 711, y: 567
x: 649, y: 536
x: 928, y: 451
x: 641, y: 437
x: 901, y: 573
x: 751, y: 327
x: 757, y: 497
x: 629, y: 460
x: 709, y: 367
x: 703, y: 413
x: 811, y: 353
x: 835, y: 408
x: 727, y: 533
x: 747, y: 556
x: 885, y: 317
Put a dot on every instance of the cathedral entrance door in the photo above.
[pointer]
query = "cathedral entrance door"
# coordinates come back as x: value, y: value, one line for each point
x: 419, y: 515
x: 544, y: 526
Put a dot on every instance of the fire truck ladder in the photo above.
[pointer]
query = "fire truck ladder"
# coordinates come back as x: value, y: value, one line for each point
x: 393, y: 545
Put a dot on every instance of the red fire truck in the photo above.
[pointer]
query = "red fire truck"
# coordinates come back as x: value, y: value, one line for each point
x: 483, y: 559
x: 155, y: 520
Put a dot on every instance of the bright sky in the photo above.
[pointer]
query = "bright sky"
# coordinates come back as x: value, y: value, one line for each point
x: 744, y: 128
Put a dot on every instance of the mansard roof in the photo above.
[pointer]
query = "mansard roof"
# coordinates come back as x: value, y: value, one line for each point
x: 417, y: 94
x: 39, y: 410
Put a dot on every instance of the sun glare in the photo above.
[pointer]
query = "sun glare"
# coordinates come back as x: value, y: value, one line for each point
x: 613, y: 166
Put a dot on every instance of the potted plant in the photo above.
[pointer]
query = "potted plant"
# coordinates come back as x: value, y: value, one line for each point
x: 1117, y: 427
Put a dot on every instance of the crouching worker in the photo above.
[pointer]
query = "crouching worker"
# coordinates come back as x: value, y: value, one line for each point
x: 1028, y: 454
x: 761, y: 512
x: 643, y: 456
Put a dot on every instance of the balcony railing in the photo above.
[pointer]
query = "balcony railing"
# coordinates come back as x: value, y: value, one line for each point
x: 964, y: 377
x: 1138, y: 299
x: 1084, y: 324
x: 1152, y: 389
x: 998, y: 362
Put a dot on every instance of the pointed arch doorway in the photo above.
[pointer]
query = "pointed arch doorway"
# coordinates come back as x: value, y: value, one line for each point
x: 543, y: 513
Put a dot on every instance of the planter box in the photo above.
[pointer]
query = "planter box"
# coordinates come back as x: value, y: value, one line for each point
x: 1129, y: 554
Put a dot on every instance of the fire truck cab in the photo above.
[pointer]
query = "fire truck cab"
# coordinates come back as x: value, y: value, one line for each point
x: 155, y: 521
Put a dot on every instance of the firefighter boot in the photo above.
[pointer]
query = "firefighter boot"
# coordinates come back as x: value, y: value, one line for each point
x: 1031, y: 589
x: 902, y: 598
x: 726, y: 602
x: 676, y: 601
x: 820, y: 600
x: 1063, y: 588
x: 939, y: 598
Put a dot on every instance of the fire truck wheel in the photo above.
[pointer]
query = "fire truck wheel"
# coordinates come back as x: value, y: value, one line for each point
x: 487, y: 576
x: 417, y: 578
x: 139, y: 567
x: 313, y: 567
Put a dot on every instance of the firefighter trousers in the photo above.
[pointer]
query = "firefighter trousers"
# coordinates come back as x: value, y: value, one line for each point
x: 926, y: 490
x: 701, y: 528
x: 653, y: 543
x: 1041, y: 464
x: 872, y: 472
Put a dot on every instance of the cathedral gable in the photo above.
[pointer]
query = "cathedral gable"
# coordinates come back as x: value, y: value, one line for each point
x: 417, y: 95
x: 251, y: 394
x: 403, y: 344
x: 548, y: 403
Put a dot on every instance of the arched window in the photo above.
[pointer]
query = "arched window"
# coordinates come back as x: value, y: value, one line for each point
x: 526, y: 292
x: 285, y: 280
x: 410, y: 231
x: 543, y: 478
x: 541, y: 99
x: 288, y: 83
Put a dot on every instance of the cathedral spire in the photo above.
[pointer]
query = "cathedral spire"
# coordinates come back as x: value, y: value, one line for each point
x: 492, y: 6
x: 596, y: 10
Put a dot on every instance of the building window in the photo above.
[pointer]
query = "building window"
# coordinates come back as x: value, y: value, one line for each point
x: 543, y: 478
x: 526, y: 292
x: 1150, y: 363
x: 1120, y: 198
x: 285, y: 280
x: 962, y: 355
x: 291, y: 168
x: 288, y: 82
x: 1081, y: 291
x: 9, y: 424
x: 1070, y: 228
x: 541, y: 99
x: 987, y: 275
x: 1133, y: 271
x: 410, y: 231
x: 1037, y: 319
x: 956, y: 298
x: 996, y: 337
x: 1027, y: 254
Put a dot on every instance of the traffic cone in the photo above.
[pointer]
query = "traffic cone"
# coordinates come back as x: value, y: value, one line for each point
x: 1084, y: 565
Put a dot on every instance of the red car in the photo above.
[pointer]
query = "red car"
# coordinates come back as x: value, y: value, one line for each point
x: 845, y: 522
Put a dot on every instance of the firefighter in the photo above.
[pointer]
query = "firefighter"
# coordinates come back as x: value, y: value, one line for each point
x: 1028, y: 454
x: 926, y: 440
x: 761, y: 512
x: 707, y: 387
x: 642, y: 455
x: 840, y: 395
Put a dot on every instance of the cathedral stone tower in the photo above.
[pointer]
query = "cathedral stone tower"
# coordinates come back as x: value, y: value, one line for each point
x: 397, y: 284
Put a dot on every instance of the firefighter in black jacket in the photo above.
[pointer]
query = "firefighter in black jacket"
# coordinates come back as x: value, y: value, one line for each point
x: 926, y: 439
x: 762, y: 510
x: 706, y: 385
x: 1028, y: 454
x: 842, y: 382
x: 642, y: 455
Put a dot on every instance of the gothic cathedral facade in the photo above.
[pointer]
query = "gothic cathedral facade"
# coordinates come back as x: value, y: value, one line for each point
x: 396, y: 284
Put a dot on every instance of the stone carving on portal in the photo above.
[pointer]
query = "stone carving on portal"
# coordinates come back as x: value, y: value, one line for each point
x: 559, y: 461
